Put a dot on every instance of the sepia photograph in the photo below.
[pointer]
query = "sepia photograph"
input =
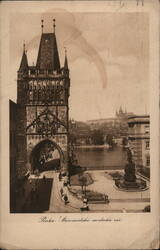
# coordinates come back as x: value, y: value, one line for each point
x: 79, y: 120
x: 79, y: 124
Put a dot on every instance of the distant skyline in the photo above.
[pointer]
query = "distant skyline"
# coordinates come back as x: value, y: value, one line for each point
x: 108, y: 57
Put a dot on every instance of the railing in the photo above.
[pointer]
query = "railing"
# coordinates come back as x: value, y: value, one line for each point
x: 104, y: 167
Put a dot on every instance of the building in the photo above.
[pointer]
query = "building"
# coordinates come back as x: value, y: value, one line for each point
x: 42, y: 109
x: 97, y: 123
x: 123, y: 115
x: 118, y: 125
x: 139, y: 140
x: 12, y: 142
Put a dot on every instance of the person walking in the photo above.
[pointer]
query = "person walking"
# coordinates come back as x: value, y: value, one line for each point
x: 61, y: 191
x: 85, y: 201
x: 65, y: 199
x: 44, y: 179
x: 60, y: 176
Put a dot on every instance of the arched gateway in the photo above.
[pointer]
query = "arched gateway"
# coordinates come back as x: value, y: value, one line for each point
x: 46, y: 155
x: 42, y: 107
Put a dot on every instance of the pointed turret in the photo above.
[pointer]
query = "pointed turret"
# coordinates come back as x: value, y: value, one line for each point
x: 66, y: 60
x: 120, y: 110
x: 24, y: 61
x: 48, y: 56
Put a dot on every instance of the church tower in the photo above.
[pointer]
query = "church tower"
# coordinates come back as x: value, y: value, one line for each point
x: 42, y: 107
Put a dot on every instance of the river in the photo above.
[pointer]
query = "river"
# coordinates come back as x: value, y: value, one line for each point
x: 101, y: 157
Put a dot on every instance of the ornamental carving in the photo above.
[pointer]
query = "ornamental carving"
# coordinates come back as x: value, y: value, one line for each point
x: 46, y: 124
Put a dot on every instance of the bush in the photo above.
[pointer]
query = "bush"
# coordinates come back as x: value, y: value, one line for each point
x: 76, y: 179
x: 94, y: 196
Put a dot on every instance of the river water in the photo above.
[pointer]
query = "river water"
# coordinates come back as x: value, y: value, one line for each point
x: 101, y: 157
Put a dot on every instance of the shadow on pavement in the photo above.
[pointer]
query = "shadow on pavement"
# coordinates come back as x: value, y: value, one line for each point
x: 38, y: 200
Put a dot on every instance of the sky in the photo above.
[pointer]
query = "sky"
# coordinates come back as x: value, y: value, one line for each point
x: 108, y: 57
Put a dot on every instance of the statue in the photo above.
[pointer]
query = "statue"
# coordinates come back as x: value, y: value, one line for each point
x: 129, y: 175
x: 129, y: 181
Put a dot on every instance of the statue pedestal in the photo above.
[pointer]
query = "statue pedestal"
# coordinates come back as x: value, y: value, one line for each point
x: 138, y: 185
x: 129, y: 181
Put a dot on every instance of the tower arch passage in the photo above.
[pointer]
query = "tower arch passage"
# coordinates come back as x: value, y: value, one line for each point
x: 43, y: 109
x: 46, y: 155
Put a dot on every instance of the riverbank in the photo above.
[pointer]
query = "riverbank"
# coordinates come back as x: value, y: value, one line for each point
x: 93, y: 146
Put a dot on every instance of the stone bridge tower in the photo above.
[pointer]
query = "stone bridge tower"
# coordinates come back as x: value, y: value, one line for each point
x: 42, y: 106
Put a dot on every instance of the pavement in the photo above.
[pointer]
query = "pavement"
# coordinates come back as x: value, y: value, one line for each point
x: 50, y: 199
x: 57, y: 204
x: 104, y: 183
x: 120, y: 201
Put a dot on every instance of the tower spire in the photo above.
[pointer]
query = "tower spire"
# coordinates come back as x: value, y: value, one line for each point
x: 42, y: 26
x: 24, y: 61
x: 54, y: 25
x: 48, y: 56
x: 24, y: 46
x: 65, y: 60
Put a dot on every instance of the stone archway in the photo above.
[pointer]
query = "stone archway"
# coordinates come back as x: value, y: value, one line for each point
x: 46, y: 155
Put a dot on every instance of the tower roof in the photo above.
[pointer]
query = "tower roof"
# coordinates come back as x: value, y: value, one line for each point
x: 66, y: 62
x: 120, y: 109
x: 24, y: 62
x: 48, y: 57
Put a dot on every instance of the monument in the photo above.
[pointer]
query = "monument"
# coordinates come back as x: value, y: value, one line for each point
x: 129, y: 182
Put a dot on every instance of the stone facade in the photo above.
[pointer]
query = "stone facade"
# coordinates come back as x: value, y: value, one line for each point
x: 139, y: 140
x: 42, y: 105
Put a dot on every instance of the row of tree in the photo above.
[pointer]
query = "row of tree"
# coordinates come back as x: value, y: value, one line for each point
x: 95, y: 137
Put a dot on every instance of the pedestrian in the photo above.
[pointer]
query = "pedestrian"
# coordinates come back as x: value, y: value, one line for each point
x: 85, y: 206
x: 61, y: 191
x: 68, y: 181
x: 85, y: 201
x: 65, y: 199
x: 60, y: 176
x: 65, y: 183
x: 124, y: 210
x: 44, y: 178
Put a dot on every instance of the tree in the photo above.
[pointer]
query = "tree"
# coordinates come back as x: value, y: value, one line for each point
x: 109, y: 139
x: 124, y: 141
x: 83, y: 182
x: 97, y: 137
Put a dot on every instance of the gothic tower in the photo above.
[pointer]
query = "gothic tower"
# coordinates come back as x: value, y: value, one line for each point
x: 42, y: 101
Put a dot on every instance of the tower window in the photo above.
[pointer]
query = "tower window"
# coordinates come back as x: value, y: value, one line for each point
x: 148, y: 161
x: 50, y: 71
x: 147, y: 144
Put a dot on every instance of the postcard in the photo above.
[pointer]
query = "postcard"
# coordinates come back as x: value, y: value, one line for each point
x: 79, y: 124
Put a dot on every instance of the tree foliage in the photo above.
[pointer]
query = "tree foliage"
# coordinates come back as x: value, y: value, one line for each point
x: 97, y: 137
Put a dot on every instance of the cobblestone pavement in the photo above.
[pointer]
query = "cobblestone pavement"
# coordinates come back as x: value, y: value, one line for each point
x: 49, y: 199
x: 104, y: 183
x: 118, y: 203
